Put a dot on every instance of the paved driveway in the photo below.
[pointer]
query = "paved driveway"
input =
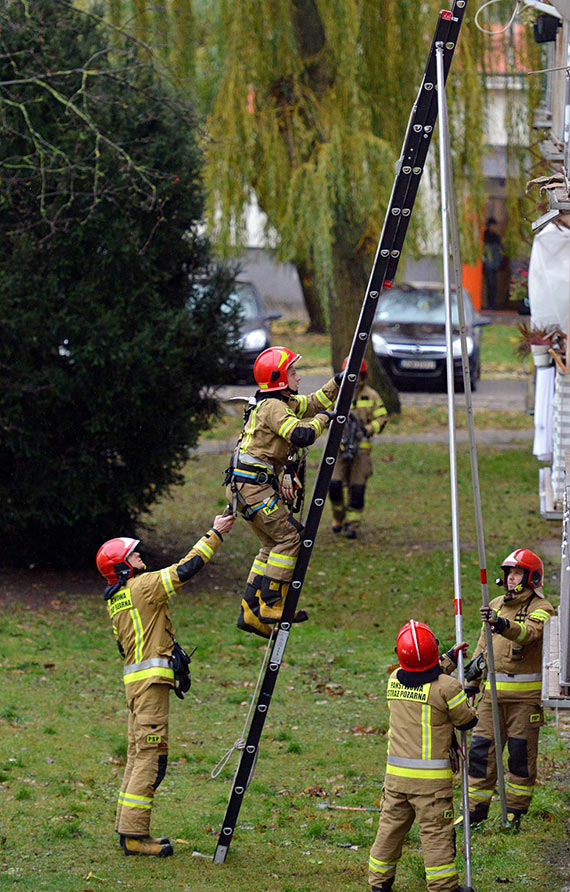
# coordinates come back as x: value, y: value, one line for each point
x: 505, y: 393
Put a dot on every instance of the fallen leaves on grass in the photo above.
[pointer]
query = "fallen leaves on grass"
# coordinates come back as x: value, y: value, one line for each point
x: 359, y: 730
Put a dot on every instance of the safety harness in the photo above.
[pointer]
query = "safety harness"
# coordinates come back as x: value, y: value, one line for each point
x: 245, y: 468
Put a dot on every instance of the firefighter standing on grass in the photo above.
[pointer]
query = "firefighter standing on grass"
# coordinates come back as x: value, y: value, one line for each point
x: 426, y: 705
x: 353, y: 467
x: 279, y: 426
x: 138, y: 606
x: 517, y: 621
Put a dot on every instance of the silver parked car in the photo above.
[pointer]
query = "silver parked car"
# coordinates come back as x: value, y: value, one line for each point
x: 408, y: 335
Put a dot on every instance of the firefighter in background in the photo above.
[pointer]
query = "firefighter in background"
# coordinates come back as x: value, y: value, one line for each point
x: 278, y: 427
x: 426, y: 705
x: 138, y: 606
x: 517, y: 621
x: 353, y: 467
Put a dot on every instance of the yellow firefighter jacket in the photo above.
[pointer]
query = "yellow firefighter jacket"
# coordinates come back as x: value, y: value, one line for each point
x: 518, y: 649
x: 141, y: 617
x: 367, y: 406
x: 274, y: 428
x: 422, y: 720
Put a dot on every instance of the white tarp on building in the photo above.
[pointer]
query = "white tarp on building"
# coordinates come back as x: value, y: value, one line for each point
x: 549, y: 277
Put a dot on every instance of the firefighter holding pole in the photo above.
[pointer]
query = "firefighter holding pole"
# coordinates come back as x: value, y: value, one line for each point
x: 426, y: 706
x: 516, y: 620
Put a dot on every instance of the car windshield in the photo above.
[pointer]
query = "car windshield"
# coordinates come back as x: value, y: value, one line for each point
x: 243, y: 296
x: 418, y: 306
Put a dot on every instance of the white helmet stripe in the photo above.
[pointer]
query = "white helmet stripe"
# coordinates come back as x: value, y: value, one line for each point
x: 415, y: 637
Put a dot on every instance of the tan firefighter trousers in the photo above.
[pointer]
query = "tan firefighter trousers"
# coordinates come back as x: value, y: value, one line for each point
x: 520, y: 724
x: 276, y: 529
x: 434, y: 813
x: 147, y: 756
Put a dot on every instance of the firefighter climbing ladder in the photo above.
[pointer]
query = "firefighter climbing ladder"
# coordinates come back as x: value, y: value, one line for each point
x: 409, y: 170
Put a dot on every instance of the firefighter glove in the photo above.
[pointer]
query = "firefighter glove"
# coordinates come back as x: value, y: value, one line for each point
x: 497, y: 623
x: 290, y: 485
x: 471, y: 693
x: 338, y: 378
x: 330, y: 413
x: 453, y: 652
x: 475, y: 668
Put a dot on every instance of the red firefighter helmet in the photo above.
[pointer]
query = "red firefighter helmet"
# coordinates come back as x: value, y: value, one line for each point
x: 530, y: 563
x: 270, y: 368
x: 363, y: 366
x: 417, y: 647
x: 113, y: 552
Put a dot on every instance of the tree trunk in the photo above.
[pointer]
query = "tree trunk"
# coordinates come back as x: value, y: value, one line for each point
x: 351, y: 279
x: 313, y: 303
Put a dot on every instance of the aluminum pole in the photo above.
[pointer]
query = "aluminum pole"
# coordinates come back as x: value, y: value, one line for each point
x: 452, y: 444
x: 491, y: 676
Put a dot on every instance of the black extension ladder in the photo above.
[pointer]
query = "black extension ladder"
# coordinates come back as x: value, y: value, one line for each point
x: 408, y: 173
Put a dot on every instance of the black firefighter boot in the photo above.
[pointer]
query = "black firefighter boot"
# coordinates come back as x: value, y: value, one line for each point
x: 272, y: 600
x: 160, y: 840
x: 514, y: 816
x: 146, y: 845
x: 479, y: 814
x: 386, y: 886
x: 248, y: 619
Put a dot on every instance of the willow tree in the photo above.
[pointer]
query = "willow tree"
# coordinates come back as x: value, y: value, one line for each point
x: 310, y: 115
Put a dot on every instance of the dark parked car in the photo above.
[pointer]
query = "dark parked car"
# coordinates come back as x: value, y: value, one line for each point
x: 255, y: 326
x: 408, y: 335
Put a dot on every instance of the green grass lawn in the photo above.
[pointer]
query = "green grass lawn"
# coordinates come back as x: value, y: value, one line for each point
x: 63, y: 716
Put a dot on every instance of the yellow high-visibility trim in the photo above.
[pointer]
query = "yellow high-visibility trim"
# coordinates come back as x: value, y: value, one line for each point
x: 258, y: 566
x: 132, y: 801
x: 540, y: 615
x: 287, y: 425
x: 280, y: 560
x: 519, y: 789
x: 523, y: 631
x: 139, y: 634
x: 426, y: 731
x: 124, y: 795
x: 382, y: 410
x: 302, y: 403
x: 323, y: 399
x: 149, y: 673
x: 475, y: 793
x: 442, y: 870
x: 364, y: 403
x: 424, y: 773
x: 353, y: 515
x: 455, y: 701
x: 380, y: 866
x: 517, y: 685
x: 205, y: 549
x: 167, y: 581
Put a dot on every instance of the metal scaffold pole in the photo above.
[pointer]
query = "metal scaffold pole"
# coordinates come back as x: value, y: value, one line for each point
x: 490, y: 658
x: 452, y: 442
x: 408, y: 174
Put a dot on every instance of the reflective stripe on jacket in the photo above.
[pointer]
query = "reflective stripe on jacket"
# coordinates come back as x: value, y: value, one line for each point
x: 518, y: 650
x: 141, y: 617
x: 422, y: 720
x: 267, y: 435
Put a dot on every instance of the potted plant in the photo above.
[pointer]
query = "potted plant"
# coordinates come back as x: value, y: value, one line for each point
x: 538, y: 341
